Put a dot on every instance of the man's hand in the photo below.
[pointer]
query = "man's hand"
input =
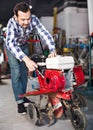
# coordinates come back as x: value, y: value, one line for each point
x: 52, y: 54
x: 31, y: 65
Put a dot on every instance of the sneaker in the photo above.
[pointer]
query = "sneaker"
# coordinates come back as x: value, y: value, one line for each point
x: 22, y: 109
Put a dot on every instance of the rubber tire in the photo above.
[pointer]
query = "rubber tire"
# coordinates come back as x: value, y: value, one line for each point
x: 34, y: 114
x: 31, y: 110
x: 80, y: 99
x: 80, y: 121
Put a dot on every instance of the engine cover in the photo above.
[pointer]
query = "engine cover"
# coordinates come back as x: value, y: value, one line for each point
x: 60, y: 62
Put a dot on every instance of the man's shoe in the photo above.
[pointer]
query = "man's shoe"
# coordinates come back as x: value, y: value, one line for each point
x: 22, y: 109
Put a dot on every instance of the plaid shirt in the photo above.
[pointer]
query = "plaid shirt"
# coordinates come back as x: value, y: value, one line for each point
x: 16, y: 36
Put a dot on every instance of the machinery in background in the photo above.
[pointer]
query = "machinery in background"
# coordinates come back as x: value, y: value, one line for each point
x: 4, y: 66
x: 59, y: 34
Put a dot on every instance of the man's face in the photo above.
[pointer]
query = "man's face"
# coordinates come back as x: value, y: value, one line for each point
x: 23, y: 18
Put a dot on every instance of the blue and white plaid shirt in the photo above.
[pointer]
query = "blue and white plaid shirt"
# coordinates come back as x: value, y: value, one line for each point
x: 16, y: 36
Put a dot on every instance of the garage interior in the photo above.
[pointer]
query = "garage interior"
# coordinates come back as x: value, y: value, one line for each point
x: 70, y: 24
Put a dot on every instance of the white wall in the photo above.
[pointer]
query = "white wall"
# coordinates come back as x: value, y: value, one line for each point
x: 74, y: 21
x: 48, y: 23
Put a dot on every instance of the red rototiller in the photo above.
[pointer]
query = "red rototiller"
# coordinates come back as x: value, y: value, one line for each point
x: 58, y: 78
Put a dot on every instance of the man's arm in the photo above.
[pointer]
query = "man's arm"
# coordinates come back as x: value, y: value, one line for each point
x: 11, y: 42
x: 44, y: 34
x: 12, y: 46
x: 31, y: 65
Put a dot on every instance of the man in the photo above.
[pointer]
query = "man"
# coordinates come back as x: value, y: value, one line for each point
x: 19, y: 28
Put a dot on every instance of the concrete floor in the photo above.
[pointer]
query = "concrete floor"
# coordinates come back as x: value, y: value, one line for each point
x: 11, y: 120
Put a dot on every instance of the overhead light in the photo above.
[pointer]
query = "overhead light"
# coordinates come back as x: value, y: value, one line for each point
x: 30, y: 6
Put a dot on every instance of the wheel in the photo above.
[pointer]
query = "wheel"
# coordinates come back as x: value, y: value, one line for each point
x: 79, y: 99
x: 34, y: 114
x: 78, y: 119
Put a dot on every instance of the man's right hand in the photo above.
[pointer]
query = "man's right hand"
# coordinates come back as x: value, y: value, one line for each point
x: 31, y: 65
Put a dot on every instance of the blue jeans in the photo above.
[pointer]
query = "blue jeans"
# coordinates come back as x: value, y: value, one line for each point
x: 19, y: 74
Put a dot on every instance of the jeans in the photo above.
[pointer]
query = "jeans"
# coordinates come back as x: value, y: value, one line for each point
x: 19, y: 74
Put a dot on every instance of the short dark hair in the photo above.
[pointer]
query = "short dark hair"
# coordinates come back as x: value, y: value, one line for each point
x: 22, y: 6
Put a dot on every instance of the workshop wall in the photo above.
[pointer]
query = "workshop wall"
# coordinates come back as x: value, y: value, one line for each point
x: 73, y: 20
